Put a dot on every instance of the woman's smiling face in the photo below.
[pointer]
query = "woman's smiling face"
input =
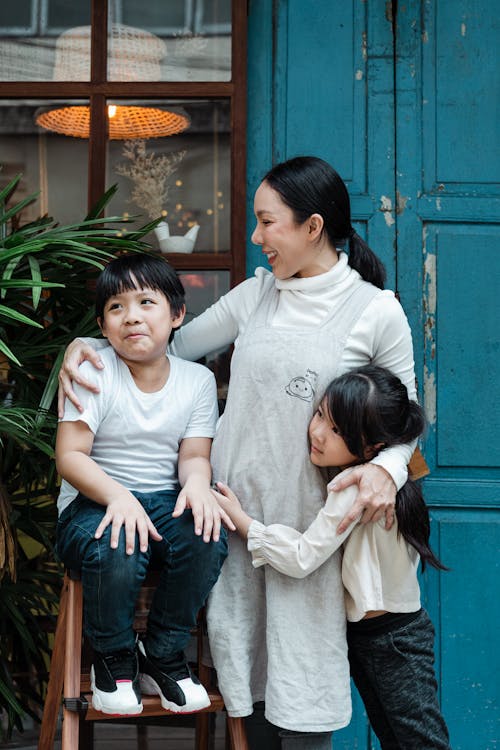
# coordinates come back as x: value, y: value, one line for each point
x: 287, y: 245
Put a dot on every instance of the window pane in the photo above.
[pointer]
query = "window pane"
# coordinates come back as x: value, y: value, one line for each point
x: 213, y: 16
x: 43, y: 157
x: 16, y: 17
x: 185, y: 177
x: 203, y: 288
x: 170, y: 17
x: 61, y: 15
x: 52, y: 44
x: 169, y: 41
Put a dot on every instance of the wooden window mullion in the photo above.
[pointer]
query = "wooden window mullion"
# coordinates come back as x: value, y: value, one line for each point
x: 98, y: 109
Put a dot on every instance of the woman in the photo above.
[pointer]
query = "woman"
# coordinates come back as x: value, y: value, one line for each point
x: 319, y: 313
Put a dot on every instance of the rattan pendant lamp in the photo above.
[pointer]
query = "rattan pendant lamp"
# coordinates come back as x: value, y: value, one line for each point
x: 134, y: 55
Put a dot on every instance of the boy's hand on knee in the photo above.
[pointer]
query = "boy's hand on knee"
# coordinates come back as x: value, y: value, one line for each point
x: 128, y: 512
x: 207, y: 514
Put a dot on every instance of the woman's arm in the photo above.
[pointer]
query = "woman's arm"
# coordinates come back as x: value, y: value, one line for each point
x: 383, y: 336
x: 284, y: 548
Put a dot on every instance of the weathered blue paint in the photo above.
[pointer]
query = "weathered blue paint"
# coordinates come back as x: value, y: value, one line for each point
x: 405, y: 109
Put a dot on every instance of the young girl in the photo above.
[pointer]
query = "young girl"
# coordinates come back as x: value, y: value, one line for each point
x: 390, y: 637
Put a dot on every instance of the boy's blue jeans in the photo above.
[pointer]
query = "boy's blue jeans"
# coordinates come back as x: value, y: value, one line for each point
x: 111, y: 579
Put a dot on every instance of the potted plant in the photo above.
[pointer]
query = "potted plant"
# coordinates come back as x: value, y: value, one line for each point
x: 46, y: 272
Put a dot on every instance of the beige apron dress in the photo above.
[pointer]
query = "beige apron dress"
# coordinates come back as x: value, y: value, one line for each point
x: 273, y: 637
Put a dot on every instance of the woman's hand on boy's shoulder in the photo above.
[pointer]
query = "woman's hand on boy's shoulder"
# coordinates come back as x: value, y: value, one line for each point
x: 76, y: 353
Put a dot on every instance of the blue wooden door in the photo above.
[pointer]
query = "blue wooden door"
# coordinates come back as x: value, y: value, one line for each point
x: 402, y: 98
x: 448, y: 271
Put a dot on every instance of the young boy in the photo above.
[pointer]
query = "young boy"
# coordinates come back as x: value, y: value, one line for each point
x: 146, y: 430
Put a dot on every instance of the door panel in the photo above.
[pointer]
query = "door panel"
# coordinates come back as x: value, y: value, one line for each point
x: 448, y: 269
x: 402, y: 99
x: 469, y: 661
x: 311, y: 79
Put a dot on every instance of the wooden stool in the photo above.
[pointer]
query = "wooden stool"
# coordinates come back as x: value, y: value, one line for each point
x: 72, y: 681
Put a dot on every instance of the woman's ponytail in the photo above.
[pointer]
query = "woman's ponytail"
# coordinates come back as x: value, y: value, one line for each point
x: 364, y: 261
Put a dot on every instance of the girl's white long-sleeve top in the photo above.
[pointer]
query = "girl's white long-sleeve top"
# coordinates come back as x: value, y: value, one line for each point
x: 379, y: 569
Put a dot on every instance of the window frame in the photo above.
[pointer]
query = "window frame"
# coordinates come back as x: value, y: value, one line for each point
x: 98, y: 90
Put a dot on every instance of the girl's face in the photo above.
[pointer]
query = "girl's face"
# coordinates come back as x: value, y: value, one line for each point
x: 328, y: 448
x: 291, y: 249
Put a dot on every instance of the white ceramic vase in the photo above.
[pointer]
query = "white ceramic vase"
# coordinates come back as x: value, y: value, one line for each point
x: 176, y: 243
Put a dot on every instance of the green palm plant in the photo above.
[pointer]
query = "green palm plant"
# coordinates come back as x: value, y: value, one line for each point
x: 46, y: 276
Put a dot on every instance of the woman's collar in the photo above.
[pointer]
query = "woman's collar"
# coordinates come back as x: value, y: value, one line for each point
x: 335, y: 275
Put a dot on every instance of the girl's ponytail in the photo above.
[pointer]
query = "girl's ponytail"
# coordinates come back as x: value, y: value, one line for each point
x: 414, y: 525
x: 364, y: 261
x: 414, y: 423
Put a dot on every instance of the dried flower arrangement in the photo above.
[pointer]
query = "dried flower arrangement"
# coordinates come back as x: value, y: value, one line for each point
x: 150, y: 175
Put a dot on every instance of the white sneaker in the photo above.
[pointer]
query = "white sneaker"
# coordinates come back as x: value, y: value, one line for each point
x: 114, y: 679
x: 179, y: 690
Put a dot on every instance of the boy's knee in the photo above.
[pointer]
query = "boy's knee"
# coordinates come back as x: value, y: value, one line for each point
x: 211, y: 551
x: 115, y: 562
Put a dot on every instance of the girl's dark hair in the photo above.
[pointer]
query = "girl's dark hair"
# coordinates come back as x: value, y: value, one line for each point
x: 370, y: 407
x: 135, y: 270
x: 308, y: 185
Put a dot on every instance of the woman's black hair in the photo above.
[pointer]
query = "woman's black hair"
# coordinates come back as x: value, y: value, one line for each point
x: 371, y: 410
x: 133, y: 270
x: 308, y: 185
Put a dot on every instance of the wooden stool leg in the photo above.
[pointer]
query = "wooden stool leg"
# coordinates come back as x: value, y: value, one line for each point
x: 56, y: 677
x: 237, y: 734
x: 202, y: 734
x: 142, y: 737
x: 71, y: 719
x: 86, y: 735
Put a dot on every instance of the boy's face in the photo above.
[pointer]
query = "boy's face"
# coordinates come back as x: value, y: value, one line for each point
x: 138, y: 324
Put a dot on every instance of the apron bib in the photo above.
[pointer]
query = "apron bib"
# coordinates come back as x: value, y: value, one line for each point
x: 273, y: 637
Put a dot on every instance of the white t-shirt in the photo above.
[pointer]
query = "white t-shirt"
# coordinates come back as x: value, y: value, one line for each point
x: 137, y: 434
x: 379, y: 569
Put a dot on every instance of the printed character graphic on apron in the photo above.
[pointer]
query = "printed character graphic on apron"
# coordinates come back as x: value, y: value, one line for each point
x: 303, y: 387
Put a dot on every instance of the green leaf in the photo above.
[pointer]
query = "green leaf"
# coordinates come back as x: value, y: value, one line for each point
x: 7, y: 312
x: 101, y: 204
x: 52, y: 383
x: 7, y: 273
x: 8, y: 353
x: 8, y: 695
x: 27, y: 284
x: 18, y: 207
x: 9, y: 189
x: 37, y: 277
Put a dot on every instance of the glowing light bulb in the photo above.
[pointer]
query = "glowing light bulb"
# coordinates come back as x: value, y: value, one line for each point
x: 111, y: 110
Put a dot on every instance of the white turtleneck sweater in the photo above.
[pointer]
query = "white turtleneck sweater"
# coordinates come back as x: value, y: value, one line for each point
x: 381, y: 334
